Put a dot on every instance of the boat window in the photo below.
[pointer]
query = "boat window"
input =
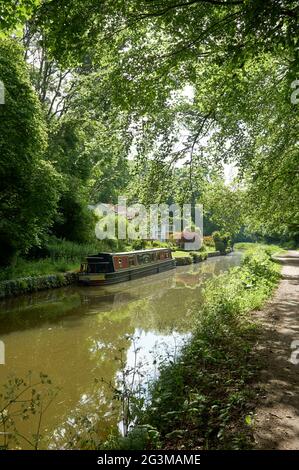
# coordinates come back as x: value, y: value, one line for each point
x: 132, y: 261
x: 98, y: 267
x: 91, y: 268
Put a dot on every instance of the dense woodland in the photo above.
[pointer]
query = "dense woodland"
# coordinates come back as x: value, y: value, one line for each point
x: 150, y: 99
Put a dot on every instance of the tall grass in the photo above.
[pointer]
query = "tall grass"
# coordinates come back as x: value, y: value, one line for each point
x: 249, y: 247
x: 57, y: 249
x: 25, y: 268
x: 56, y: 256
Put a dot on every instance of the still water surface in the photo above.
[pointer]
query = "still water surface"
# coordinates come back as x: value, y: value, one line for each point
x: 75, y: 335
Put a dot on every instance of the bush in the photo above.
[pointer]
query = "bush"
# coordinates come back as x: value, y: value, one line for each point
x: 209, y: 241
x: 290, y: 245
x: 74, y: 221
x: 183, y: 260
x: 198, y: 256
x: 158, y: 244
x: 222, y: 242
x: 139, y: 244
x: 29, y: 284
x: 252, y: 248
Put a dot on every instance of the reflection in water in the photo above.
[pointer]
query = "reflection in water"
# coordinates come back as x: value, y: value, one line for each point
x: 75, y: 334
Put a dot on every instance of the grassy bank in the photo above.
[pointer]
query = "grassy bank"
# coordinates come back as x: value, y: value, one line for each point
x: 184, y: 257
x: 271, y: 250
x: 204, y: 399
x: 54, y: 265
x: 60, y: 256
x: 56, y: 256
x: 25, y: 268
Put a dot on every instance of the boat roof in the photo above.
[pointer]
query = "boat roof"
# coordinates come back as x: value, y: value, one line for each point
x: 149, y: 250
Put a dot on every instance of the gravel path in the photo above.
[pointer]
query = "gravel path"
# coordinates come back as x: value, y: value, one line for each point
x: 277, y: 416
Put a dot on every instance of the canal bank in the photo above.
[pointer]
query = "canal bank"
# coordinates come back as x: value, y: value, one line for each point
x: 27, y: 285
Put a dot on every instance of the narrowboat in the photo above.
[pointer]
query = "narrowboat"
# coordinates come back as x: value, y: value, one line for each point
x: 110, y: 268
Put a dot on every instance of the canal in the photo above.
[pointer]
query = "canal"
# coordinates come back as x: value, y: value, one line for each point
x: 82, y: 337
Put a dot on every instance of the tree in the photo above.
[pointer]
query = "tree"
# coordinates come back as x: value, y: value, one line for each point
x: 185, y: 30
x: 240, y: 57
x: 257, y: 130
x: 13, y: 14
x: 88, y: 145
x: 29, y: 183
x: 224, y: 206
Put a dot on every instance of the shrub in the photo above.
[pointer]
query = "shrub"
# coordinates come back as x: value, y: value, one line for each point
x: 183, y: 260
x: 209, y: 241
x: 139, y: 244
x: 31, y: 284
x: 222, y: 242
x: 74, y: 221
x: 198, y: 256
x: 290, y: 245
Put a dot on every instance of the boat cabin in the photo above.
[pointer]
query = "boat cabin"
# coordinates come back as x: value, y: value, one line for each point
x: 116, y: 267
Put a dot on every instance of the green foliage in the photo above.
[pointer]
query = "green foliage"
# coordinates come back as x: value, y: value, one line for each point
x: 139, y: 244
x: 56, y: 256
x: 182, y: 258
x: 58, y: 249
x: 224, y: 206
x: 290, y: 245
x: 198, y: 256
x: 74, y: 221
x: 194, y: 82
x: 138, y: 438
x: 202, y: 399
x: 88, y: 145
x: 35, y: 280
x: 230, y: 31
x: 209, y: 241
x: 29, y: 184
x: 222, y: 242
x: 239, y: 58
x: 250, y: 248
x: 15, y: 14
x: 158, y: 244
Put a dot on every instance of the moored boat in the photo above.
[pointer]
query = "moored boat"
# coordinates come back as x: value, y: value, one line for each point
x: 110, y: 268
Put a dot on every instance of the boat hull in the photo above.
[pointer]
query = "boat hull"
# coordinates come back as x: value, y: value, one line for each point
x: 98, y: 279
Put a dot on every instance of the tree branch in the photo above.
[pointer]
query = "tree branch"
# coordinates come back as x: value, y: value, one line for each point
x: 192, y: 2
